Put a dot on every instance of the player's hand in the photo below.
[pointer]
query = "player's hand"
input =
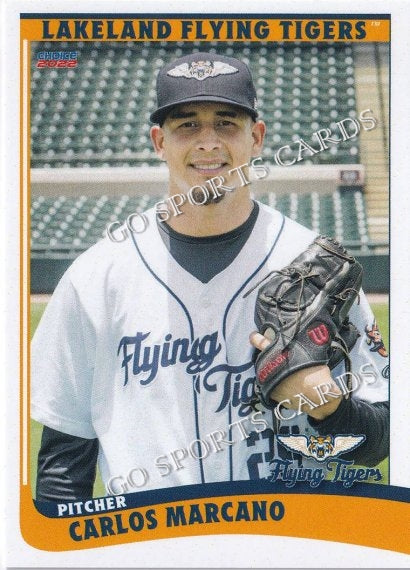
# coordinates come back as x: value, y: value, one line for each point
x: 306, y: 382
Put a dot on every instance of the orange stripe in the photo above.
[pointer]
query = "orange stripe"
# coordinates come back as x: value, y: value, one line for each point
x: 21, y: 270
x: 24, y: 292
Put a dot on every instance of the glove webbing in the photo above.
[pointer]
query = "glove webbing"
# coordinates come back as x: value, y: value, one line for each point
x: 276, y: 301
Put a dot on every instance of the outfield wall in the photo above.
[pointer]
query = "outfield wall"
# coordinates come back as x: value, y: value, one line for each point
x: 47, y: 271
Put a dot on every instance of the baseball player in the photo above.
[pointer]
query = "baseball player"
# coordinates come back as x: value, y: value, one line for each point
x: 142, y: 357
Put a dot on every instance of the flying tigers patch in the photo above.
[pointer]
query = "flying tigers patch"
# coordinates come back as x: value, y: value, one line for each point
x: 201, y: 70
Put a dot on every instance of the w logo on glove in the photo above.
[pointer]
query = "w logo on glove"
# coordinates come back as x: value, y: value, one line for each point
x: 319, y: 335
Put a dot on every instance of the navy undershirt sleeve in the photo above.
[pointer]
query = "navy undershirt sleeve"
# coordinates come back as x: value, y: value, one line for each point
x: 358, y: 417
x: 66, y: 467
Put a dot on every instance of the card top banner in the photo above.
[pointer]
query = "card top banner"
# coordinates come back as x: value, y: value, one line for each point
x: 281, y: 28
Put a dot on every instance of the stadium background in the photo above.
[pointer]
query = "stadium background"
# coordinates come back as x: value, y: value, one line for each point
x: 92, y: 161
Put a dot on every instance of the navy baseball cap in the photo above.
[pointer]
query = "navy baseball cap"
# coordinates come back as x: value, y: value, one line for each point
x: 204, y: 76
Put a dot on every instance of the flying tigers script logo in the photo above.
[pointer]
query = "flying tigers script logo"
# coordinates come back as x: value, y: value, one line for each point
x: 142, y: 361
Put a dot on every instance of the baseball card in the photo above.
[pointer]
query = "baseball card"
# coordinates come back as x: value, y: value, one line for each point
x: 206, y: 289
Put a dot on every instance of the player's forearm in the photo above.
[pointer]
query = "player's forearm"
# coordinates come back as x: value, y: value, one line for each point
x: 360, y: 417
x: 66, y: 467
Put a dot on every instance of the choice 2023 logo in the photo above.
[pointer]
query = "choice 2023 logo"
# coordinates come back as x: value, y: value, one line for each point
x: 57, y: 59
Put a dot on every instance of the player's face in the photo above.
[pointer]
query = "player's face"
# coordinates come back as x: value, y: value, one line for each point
x: 200, y: 141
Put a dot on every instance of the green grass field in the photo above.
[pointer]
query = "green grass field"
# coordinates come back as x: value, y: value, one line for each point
x: 380, y: 311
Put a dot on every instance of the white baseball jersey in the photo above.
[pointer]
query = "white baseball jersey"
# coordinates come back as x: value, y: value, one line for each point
x: 135, y: 351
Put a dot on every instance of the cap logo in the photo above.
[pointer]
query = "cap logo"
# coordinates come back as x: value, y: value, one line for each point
x: 200, y: 70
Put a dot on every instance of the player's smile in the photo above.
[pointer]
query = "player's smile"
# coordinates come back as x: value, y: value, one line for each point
x: 209, y: 169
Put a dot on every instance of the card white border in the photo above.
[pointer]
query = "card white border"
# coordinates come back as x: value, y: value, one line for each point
x: 211, y: 551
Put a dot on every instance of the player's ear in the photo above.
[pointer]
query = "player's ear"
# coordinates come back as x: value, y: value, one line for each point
x: 157, y: 138
x: 258, y: 135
